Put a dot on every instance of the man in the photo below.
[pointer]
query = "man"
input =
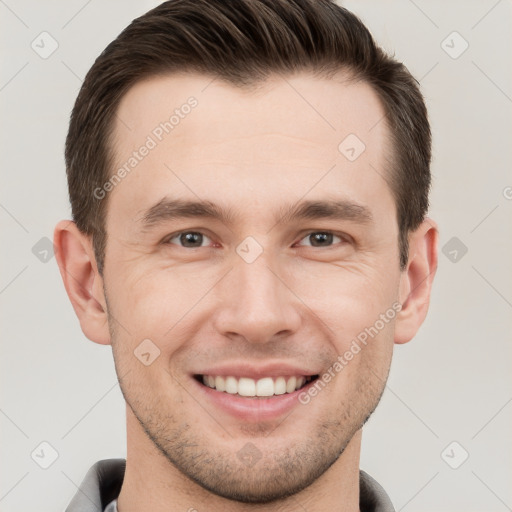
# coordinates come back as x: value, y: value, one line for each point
x: 249, y: 184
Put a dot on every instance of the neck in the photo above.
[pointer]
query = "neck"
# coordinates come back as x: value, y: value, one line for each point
x: 151, y: 482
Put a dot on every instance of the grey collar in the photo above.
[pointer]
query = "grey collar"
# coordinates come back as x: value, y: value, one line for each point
x: 103, y: 481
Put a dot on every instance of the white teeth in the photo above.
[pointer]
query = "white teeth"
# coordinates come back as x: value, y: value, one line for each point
x: 231, y: 385
x: 280, y: 386
x: 220, y: 384
x: 265, y: 386
x: 209, y: 381
x: 291, y: 384
x: 246, y: 387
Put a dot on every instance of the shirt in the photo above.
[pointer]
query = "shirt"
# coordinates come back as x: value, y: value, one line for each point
x: 102, y: 484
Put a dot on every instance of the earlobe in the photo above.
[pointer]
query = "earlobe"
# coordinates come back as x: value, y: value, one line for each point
x: 84, y: 285
x: 416, y: 280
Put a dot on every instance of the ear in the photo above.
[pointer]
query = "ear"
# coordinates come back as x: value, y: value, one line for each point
x: 416, y: 280
x: 83, y: 283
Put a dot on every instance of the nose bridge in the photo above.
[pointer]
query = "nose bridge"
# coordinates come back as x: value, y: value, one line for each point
x: 259, y: 286
x: 256, y: 304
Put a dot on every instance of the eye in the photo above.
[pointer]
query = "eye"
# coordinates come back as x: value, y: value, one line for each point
x: 322, y: 238
x: 188, y: 239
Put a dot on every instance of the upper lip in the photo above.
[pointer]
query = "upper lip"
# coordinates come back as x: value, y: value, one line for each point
x: 253, y: 371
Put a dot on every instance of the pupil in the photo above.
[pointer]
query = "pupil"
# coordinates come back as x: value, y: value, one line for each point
x: 322, y: 237
x: 190, y: 237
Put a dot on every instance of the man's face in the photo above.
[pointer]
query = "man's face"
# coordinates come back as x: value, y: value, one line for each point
x: 262, y: 295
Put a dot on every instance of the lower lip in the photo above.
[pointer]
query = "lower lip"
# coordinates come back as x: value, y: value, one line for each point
x: 253, y: 409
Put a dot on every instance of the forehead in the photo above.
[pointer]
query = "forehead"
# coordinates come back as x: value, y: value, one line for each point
x: 209, y: 138
x: 332, y: 106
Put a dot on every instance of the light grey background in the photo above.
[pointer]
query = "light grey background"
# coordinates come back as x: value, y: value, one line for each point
x: 452, y: 383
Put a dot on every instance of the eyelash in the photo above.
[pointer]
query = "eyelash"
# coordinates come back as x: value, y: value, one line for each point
x: 344, y: 238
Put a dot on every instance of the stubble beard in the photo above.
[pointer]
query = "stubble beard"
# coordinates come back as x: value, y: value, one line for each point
x: 281, y: 471
x: 215, y: 464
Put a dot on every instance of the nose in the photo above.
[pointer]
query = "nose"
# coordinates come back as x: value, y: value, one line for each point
x: 256, y: 302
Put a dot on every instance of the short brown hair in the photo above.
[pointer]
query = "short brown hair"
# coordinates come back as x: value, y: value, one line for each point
x: 243, y: 42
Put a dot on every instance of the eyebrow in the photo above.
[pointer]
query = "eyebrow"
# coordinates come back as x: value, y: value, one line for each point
x: 174, y: 209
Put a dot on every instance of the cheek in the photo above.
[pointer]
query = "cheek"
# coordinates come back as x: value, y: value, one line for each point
x: 347, y: 298
x: 153, y: 302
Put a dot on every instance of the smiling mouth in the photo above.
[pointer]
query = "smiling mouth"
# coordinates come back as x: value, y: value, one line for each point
x: 252, y: 388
